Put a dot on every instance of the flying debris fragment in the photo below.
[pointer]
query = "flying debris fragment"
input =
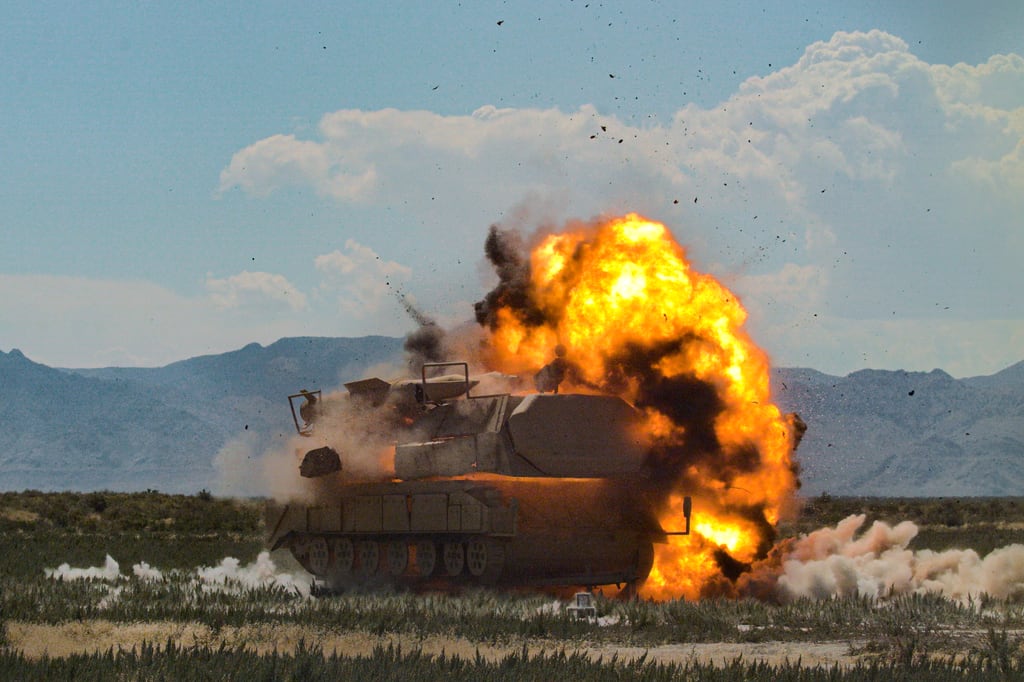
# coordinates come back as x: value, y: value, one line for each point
x: 320, y: 462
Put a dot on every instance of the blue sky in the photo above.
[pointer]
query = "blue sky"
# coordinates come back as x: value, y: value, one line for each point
x: 177, y: 181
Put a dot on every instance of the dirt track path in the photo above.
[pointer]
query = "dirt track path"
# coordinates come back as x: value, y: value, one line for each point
x: 98, y: 635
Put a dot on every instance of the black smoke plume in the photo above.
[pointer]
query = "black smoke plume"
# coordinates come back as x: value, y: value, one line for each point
x: 507, y: 253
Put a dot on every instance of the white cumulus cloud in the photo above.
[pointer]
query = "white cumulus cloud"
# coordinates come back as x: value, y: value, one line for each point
x: 358, y: 279
x: 282, y: 160
x: 254, y: 288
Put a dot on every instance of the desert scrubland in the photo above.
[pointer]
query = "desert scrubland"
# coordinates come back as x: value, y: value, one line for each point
x: 111, y: 585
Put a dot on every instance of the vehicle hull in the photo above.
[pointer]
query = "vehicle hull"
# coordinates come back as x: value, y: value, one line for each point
x: 510, y: 531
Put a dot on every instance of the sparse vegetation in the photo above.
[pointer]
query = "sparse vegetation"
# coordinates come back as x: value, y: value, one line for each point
x: 913, y: 636
x: 109, y: 512
x: 44, y: 530
x: 309, y: 662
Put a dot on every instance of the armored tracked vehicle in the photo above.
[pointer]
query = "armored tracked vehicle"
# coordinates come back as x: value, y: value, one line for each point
x: 543, y: 489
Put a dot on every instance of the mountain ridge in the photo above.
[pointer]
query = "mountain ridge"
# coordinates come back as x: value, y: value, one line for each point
x: 871, y: 432
x: 160, y: 428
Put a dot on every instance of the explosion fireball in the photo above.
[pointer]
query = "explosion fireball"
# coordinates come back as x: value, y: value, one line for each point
x: 633, y: 319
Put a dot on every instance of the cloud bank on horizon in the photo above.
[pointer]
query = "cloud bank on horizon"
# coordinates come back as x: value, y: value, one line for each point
x: 864, y: 204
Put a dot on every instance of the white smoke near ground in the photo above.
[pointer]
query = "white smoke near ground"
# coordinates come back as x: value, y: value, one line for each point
x: 110, y: 570
x: 839, y: 562
x: 227, y: 576
x: 832, y: 562
x: 230, y: 575
x: 145, y: 572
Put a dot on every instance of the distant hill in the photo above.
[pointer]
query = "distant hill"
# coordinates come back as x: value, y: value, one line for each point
x: 140, y: 428
x: 873, y: 432
x: 250, y: 386
x: 896, y: 433
x: 61, y: 430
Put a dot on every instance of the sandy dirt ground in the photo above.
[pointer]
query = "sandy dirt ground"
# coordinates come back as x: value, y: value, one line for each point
x: 90, y: 636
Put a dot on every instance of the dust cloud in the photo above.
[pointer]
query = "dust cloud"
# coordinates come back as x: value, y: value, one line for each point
x: 877, y: 563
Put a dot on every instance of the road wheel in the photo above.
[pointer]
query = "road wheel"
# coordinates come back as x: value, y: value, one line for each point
x: 426, y: 558
x: 319, y: 556
x: 397, y: 557
x: 476, y: 557
x: 368, y: 553
x: 485, y: 559
x: 344, y: 555
x: 454, y: 558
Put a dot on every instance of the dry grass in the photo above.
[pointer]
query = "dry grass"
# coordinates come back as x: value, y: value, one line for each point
x: 49, y: 619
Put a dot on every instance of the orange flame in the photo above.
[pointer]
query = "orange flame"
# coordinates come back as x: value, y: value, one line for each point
x: 619, y: 294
